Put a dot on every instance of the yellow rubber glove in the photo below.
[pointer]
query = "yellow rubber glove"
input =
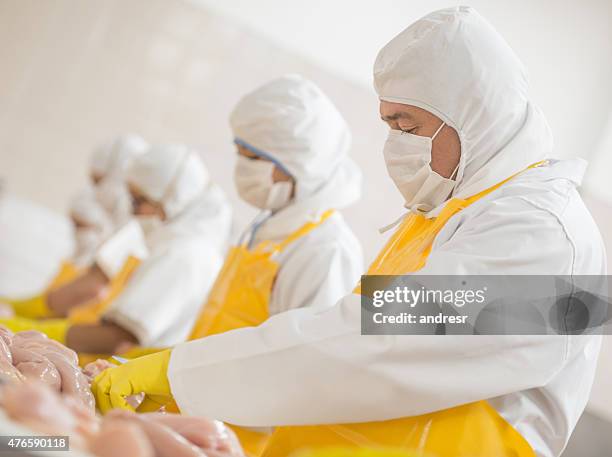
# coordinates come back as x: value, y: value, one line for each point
x: 140, y: 351
x: 33, y: 308
x: 147, y: 374
x: 55, y: 329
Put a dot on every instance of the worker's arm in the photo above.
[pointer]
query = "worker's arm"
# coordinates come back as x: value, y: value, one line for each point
x: 306, y: 366
x: 165, y: 294
x: 89, y: 286
x: 102, y: 338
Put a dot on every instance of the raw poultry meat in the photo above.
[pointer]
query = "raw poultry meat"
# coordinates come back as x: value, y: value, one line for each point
x: 53, y: 396
x: 36, y: 367
x: 30, y: 355
x: 40, y: 408
x: 74, y: 381
x: 204, y: 433
x: 120, y: 433
x: 8, y: 372
x: 119, y: 437
x: 39, y: 341
x: 6, y: 335
x: 167, y: 442
x: 93, y: 369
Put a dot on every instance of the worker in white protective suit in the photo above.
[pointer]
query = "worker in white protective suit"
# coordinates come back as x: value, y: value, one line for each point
x: 185, y: 219
x: 108, y: 165
x: 96, y: 212
x: 92, y: 224
x: 467, y: 150
x: 293, y: 165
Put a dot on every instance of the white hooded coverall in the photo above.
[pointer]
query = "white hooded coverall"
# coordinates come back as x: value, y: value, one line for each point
x: 161, y: 300
x: 105, y: 206
x: 312, y: 366
x: 292, y: 122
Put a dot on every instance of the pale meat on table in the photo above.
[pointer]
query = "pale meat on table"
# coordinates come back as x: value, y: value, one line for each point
x: 120, y: 433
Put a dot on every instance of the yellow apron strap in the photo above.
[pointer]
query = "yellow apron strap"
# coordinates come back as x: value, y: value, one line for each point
x: 303, y: 230
x: 90, y: 312
x: 479, y: 195
x: 67, y: 272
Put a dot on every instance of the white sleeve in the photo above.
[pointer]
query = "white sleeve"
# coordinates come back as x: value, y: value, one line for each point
x: 311, y: 366
x: 164, y: 296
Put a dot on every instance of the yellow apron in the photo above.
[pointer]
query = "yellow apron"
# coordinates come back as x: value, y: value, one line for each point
x: 241, y: 293
x: 35, y: 307
x: 470, y: 430
x: 67, y: 272
x: 240, y: 298
x: 90, y: 313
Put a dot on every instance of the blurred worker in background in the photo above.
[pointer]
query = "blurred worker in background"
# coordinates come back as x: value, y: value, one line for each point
x: 186, y: 221
x: 101, y: 208
x: 466, y: 149
x: 92, y: 225
x: 108, y: 191
x: 293, y: 165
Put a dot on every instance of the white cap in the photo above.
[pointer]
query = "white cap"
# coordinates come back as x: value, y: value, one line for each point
x: 454, y: 64
x: 113, y: 158
x: 292, y: 122
x: 171, y: 175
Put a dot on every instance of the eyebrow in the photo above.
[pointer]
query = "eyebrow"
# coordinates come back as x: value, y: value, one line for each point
x: 396, y: 116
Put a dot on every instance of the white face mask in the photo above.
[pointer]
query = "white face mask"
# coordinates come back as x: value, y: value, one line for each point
x: 254, y: 183
x: 149, y: 223
x: 408, y: 160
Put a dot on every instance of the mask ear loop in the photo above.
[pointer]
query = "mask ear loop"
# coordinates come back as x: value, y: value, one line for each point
x: 438, y: 131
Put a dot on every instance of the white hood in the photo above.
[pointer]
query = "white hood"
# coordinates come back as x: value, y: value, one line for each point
x: 176, y: 177
x: 454, y: 64
x: 292, y: 122
x: 171, y: 175
x: 208, y: 217
x: 111, y: 159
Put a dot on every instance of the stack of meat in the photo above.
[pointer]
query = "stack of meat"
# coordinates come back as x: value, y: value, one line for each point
x: 32, y: 356
x: 44, y: 389
x: 120, y: 433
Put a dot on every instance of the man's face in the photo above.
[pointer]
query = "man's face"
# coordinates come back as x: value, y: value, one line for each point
x: 446, y: 148
x: 143, y: 206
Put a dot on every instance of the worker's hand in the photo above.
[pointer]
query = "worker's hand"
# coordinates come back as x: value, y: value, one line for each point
x: 147, y: 374
x: 55, y: 329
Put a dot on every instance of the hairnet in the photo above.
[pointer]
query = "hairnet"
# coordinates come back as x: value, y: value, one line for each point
x: 171, y: 175
x: 454, y: 64
x: 291, y: 121
x: 113, y: 158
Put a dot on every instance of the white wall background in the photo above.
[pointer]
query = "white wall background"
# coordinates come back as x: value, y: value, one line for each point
x: 566, y: 47
x: 75, y: 73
